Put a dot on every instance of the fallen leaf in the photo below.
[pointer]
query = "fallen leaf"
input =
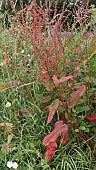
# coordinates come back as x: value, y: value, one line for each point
x: 6, y: 86
x: 61, y: 80
x: 75, y: 96
x: 5, y: 148
x: 44, y: 99
x: 23, y: 112
x: 52, y: 110
x: 10, y: 84
x: 7, y: 126
x: 90, y: 118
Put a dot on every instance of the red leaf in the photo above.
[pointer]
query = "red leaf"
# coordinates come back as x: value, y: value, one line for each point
x: 59, y: 130
x: 52, y: 110
x: 61, y: 80
x: 49, y: 141
x: 90, y: 118
x: 50, y: 150
x: 76, y: 95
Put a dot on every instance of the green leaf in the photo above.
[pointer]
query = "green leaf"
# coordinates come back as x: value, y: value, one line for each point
x: 1, y: 15
x: 82, y: 128
x: 87, y: 130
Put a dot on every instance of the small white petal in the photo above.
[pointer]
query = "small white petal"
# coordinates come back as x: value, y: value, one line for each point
x: 1, y: 64
x: 15, y: 165
x: 9, y: 164
x: 28, y: 55
x: 22, y: 51
x: 8, y: 104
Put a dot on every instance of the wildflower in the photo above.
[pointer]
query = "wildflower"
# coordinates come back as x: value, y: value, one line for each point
x: 9, y: 164
x: 28, y: 55
x: 8, y: 104
x: 15, y: 165
x: 2, y: 64
x: 22, y: 51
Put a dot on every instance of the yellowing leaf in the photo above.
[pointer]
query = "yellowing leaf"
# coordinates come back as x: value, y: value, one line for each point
x: 86, y: 79
x: 9, y: 138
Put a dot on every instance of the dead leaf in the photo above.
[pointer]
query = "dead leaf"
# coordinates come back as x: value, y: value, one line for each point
x: 52, y: 110
x: 7, y: 126
x: 23, y: 112
x: 75, y: 96
x: 5, y: 148
x: 9, y: 138
x: 10, y: 84
x: 44, y: 99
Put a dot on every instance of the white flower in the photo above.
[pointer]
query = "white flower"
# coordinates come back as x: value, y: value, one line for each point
x: 8, y: 104
x: 28, y: 55
x: 15, y: 165
x: 2, y: 64
x: 22, y: 51
x: 9, y: 164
